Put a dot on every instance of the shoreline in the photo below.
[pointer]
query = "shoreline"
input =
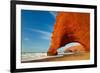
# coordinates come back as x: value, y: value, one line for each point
x: 72, y: 57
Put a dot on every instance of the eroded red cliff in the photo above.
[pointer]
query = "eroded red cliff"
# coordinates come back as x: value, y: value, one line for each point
x: 70, y: 27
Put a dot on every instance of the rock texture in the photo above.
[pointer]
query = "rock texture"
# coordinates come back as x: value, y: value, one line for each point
x: 70, y: 27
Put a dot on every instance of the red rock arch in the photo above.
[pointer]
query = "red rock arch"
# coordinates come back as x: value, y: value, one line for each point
x: 70, y: 27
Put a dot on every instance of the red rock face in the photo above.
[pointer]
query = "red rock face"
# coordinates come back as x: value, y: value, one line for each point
x: 70, y: 27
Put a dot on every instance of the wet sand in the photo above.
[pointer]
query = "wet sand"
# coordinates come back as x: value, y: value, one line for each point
x: 81, y: 56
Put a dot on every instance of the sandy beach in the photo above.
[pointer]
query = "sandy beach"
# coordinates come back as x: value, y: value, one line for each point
x: 71, y: 57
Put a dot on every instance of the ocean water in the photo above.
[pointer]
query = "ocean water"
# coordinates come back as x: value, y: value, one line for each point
x: 27, y: 56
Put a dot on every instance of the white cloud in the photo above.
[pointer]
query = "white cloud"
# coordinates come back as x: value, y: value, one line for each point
x: 53, y: 14
x: 45, y: 35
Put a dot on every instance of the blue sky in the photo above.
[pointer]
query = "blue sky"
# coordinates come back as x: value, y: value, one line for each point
x: 36, y: 29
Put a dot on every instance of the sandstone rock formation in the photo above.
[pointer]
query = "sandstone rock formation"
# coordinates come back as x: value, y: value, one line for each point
x: 70, y: 27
